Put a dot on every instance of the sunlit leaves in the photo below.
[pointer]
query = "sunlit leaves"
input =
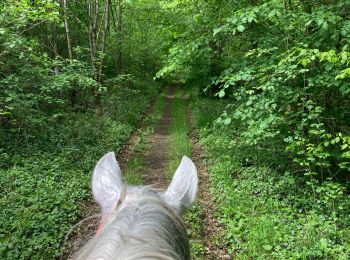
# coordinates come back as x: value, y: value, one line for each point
x: 240, y: 28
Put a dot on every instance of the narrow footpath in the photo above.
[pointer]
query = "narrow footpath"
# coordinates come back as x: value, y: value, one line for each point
x: 156, y: 157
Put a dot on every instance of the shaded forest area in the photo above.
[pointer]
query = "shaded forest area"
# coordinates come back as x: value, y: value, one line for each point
x: 268, y: 86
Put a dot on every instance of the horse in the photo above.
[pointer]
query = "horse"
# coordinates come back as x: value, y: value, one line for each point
x: 140, y: 222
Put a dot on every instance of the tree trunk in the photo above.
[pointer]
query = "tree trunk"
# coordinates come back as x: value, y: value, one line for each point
x: 69, y: 43
x: 54, y: 46
x: 104, y: 39
x: 93, y: 10
x: 73, y: 93
x: 120, y: 40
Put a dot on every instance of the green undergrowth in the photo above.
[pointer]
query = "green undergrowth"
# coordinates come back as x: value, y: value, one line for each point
x: 136, y: 165
x: 43, y: 181
x: 269, y: 212
x: 180, y: 145
x: 193, y: 220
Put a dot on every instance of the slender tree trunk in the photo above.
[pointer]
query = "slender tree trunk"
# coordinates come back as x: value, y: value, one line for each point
x: 104, y: 39
x: 73, y: 93
x: 93, y: 10
x: 54, y: 46
x: 69, y: 43
x: 99, y: 76
x: 98, y: 24
x: 120, y: 40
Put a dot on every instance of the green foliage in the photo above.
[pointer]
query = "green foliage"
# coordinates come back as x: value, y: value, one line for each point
x: 282, y: 67
x: 269, y: 212
x: 182, y: 59
x: 23, y: 65
x: 40, y: 203
x: 193, y: 220
x: 45, y: 181
x: 123, y: 80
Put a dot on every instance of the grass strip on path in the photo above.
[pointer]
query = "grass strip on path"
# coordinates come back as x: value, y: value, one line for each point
x: 179, y: 129
x: 180, y: 145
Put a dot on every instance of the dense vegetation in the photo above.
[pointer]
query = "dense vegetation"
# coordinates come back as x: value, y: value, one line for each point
x: 278, y: 138
x: 272, y: 77
x: 62, y: 107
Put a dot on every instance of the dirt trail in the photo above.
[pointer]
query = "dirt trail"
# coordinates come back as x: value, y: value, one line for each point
x: 156, y: 159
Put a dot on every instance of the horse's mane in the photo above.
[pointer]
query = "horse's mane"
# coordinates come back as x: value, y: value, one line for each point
x: 143, y: 227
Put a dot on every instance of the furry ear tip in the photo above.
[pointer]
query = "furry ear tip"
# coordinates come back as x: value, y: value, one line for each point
x: 108, y: 163
x: 189, y: 163
x: 107, y: 157
x: 186, y: 159
x: 109, y: 154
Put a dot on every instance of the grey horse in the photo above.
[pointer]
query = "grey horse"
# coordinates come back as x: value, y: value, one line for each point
x: 140, y: 222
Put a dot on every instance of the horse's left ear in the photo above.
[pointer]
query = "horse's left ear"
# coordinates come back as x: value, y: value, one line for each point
x: 182, y: 190
x: 107, y: 182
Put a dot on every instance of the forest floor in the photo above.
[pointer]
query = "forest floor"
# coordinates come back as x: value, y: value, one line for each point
x: 147, y: 158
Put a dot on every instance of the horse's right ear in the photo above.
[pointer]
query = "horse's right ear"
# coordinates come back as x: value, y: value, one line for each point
x: 107, y: 182
x: 182, y: 190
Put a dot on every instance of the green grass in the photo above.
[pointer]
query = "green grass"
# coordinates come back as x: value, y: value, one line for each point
x: 180, y: 145
x: 158, y: 108
x: 193, y: 220
x: 179, y: 140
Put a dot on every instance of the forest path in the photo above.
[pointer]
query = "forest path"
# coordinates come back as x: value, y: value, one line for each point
x: 156, y: 158
x: 146, y: 159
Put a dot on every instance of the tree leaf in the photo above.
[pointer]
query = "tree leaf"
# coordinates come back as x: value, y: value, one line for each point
x: 227, y: 121
x: 267, y: 247
x: 240, y: 28
x: 222, y: 93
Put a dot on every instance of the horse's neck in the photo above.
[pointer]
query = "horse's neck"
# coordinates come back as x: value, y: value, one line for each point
x: 145, y: 229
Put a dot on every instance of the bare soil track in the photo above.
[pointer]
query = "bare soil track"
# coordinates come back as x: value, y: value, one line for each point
x: 156, y: 158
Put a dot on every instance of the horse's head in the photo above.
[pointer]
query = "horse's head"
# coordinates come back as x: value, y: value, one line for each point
x: 140, y: 222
